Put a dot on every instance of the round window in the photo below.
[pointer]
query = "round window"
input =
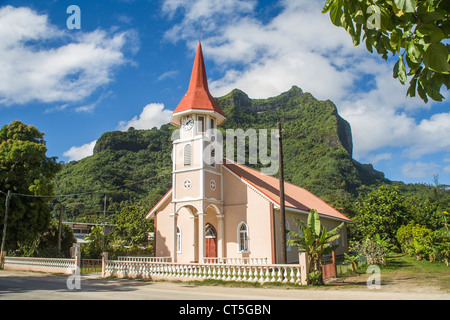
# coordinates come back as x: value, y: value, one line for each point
x: 187, y: 184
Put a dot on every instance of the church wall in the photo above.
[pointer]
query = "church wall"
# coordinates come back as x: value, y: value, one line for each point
x: 184, y: 222
x: 244, y: 204
x: 180, y: 191
x: 163, y: 233
x: 209, y: 192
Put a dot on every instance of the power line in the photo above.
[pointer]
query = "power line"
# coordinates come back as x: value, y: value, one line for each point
x: 75, y: 194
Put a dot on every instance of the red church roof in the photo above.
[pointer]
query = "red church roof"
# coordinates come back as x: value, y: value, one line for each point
x: 296, y: 197
x: 197, y: 97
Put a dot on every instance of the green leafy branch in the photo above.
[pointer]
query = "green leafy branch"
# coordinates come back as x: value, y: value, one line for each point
x: 413, y: 30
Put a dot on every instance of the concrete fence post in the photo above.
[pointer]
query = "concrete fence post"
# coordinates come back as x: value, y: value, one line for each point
x: 304, y: 267
x: 104, y: 261
x: 76, y: 253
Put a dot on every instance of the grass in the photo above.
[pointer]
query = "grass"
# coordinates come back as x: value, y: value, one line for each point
x: 402, y: 273
x: 420, y: 271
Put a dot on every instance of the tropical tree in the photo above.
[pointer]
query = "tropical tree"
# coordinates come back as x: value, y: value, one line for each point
x: 382, y: 212
x: 416, y: 31
x: 132, y: 226
x: 316, y: 241
x: 25, y: 170
x: 94, y: 247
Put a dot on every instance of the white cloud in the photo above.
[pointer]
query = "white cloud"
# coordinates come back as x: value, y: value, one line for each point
x: 300, y: 46
x: 375, y: 159
x: 40, y: 62
x: 431, y: 135
x: 153, y: 115
x: 78, y: 153
x: 168, y: 75
x: 420, y: 169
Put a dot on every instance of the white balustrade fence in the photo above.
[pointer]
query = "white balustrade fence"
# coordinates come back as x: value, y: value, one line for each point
x: 57, y: 265
x: 286, y: 273
x: 144, y: 259
x: 235, y: 260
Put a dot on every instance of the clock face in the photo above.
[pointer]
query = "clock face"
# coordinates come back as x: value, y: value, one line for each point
x: 188, y: 123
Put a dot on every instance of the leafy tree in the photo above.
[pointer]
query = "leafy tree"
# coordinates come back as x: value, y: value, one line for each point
x: 382, y: 212
x: 25, y: 169
x: 93, y: 248
x: 132, y: 226
x: 46, y: 244
x: 414, y: 30
x: 316, y: 241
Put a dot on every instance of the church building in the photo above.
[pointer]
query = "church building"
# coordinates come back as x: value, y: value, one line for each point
x: 223, y: 209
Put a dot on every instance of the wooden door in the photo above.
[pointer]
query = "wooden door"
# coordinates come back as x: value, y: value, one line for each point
x: 210, y: 248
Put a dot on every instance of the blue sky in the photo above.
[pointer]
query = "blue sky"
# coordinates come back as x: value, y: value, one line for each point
x: 130, y: 63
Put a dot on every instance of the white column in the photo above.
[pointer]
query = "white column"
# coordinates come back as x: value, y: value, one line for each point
x: 193, y: 238
x: 174, y: 237
x: 220, y: 236
x: 201, y: 236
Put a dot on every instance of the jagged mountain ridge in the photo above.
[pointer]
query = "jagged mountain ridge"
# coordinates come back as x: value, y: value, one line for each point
x: 317, y: 151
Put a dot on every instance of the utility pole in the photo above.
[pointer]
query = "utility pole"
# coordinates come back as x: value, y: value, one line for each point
x: 104, y: 222
x: 2, y: 249
x: 282, y: 209
x: 60, y: 227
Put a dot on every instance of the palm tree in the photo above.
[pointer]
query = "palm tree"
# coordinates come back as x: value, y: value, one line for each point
x: 316, y: 241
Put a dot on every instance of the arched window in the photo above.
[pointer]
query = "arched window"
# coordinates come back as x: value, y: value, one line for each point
x: 242, y: 237
x: 188, y: 155
x: 209, y: 231
x: 178, y: 240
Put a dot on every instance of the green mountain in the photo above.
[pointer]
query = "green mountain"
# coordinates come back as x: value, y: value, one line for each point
x: 135, y: 166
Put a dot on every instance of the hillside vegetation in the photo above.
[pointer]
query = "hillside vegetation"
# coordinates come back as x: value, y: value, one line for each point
x: 134, y: 167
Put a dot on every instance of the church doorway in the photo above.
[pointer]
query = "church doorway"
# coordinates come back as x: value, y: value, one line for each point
x: 210, y: 243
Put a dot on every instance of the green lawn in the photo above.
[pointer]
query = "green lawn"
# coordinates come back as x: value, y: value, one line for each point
x: 423, y: 272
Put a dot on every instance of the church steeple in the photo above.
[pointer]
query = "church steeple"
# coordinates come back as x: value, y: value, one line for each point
x: 197, y: 98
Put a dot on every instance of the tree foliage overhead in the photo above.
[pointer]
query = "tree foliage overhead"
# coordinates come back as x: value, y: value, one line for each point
x: 415, y: 31
x: 25, y: 169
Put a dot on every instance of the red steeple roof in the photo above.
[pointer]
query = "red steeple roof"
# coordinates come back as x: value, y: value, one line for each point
x: 197, y: 97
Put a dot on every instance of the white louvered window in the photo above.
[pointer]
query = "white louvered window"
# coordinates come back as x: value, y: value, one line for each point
x: 188, y: 155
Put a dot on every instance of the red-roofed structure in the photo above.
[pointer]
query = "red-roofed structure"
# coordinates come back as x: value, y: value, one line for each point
x: 197, y: 97
x: 224, y: 210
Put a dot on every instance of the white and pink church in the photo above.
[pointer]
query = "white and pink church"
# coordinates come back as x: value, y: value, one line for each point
x: 218, y: 209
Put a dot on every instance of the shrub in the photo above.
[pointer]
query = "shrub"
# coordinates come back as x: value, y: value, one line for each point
x: 374, y: 249
x: 409, y: 236
x: 432, y: 246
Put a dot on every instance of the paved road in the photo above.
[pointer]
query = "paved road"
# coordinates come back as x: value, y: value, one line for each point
x: 38, y: 286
